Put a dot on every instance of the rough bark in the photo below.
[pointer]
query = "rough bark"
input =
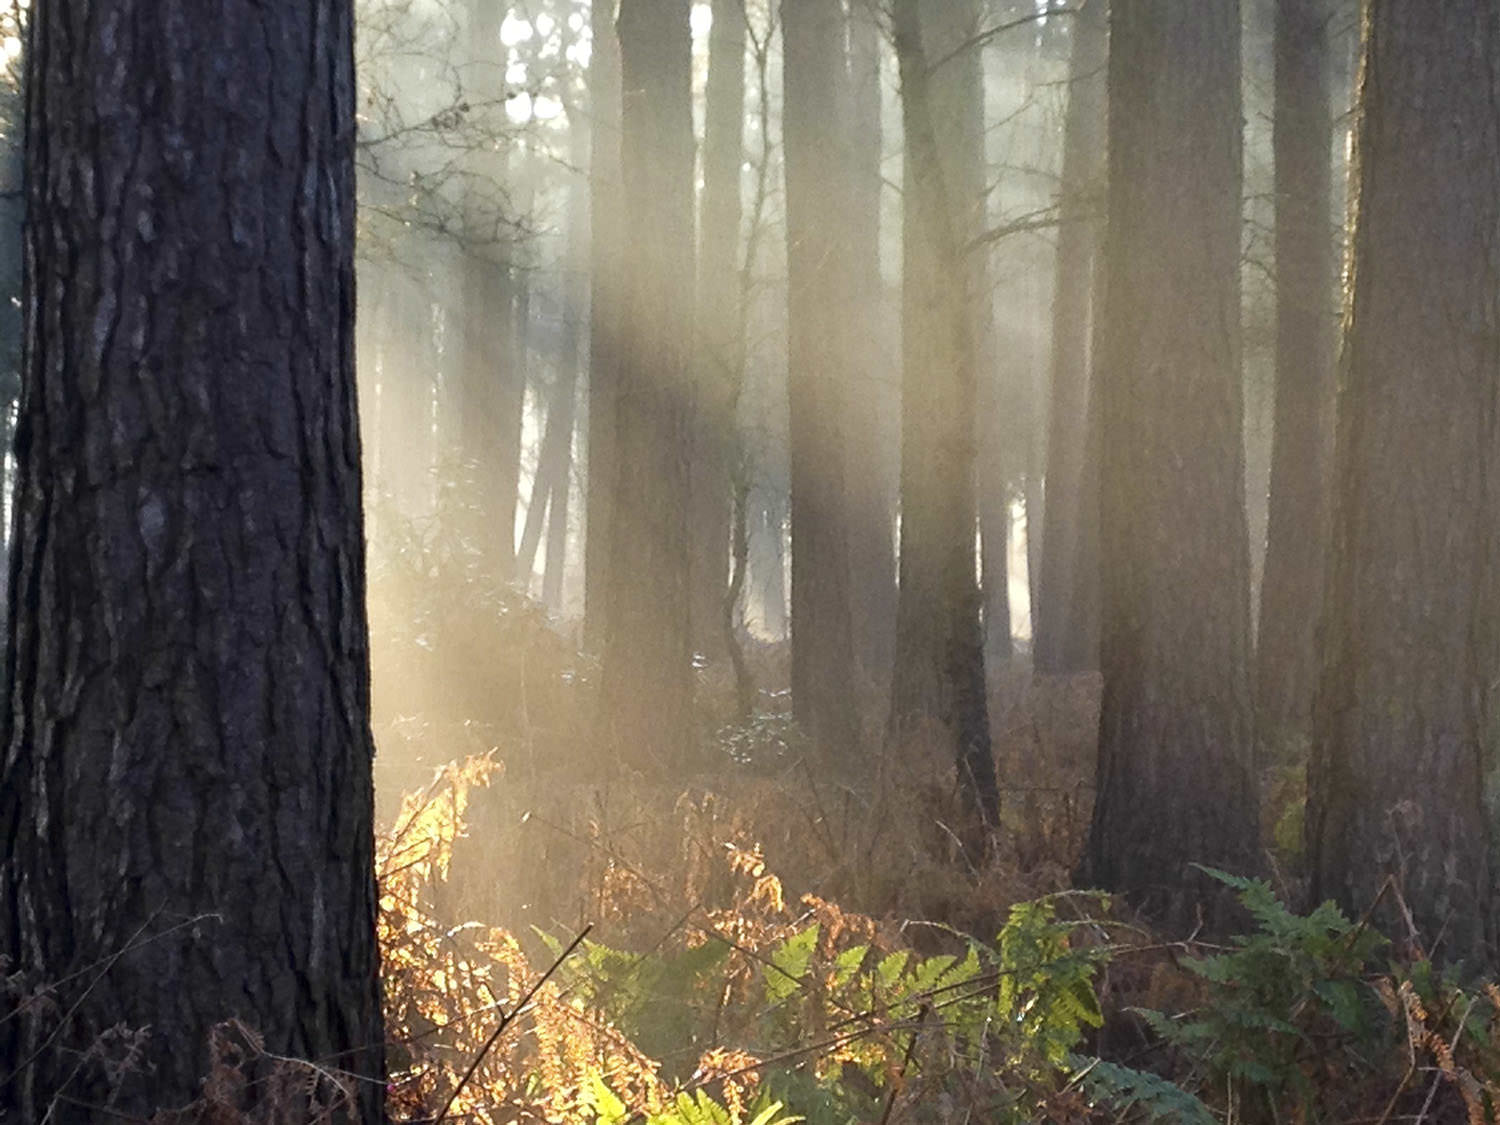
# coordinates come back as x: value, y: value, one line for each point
x: 1176, y: 783
x: 605, y: 244
x: 720, y: 350
x: 185, y: 793
x: 647, y: 672
x: 1067, y: 627
x: 871, y: 447
x: 1405, y: 707
x: 1292, y: 587
x: 938, y: 684
x: 818, y: 289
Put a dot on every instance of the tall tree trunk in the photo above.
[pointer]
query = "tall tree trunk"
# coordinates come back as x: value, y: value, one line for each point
x: 818, y: 289
x: 488, y: 392
x: 1405, y: 709
x: 871, y: 448
x: 938, y: 682
x: 1292, y: 588
x: 720, y: 350
x: 1176, y: 782
x: 647, y: 672
x: 1066, y: 629
x: 185, y: 792
x: 605, y: 294
x: 567, y: 368
x: 768, y: 560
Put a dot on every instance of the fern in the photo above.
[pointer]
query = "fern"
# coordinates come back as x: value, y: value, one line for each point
x: 1147, y: 1096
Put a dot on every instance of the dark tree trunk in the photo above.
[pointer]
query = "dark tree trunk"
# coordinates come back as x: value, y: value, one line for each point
x: 186, y: 791
x: 1405, y: 708
x: 1291, y: 592
x: 605, y: 281
x: 1067, y: 626
x: 1176, y: 782
x: 647, y: 673
x: 871, y: 447
x: 938, y: 684
x: 720, y: 350
x: 818, y: 368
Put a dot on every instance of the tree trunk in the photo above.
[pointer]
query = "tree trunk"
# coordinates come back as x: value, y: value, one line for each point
x: 720, y: 357
x: 605, y: 281
x: 1292, y: 588
x: 1176, y: 782
x: 938, y: 684
x: 549, y: 486
x: 818, y: 289
x: 871, y: 447
x: 1066, y: 629
x: 186, y: 784
x: 1405, y: 707
x: 488, y: 395
x: 647, y: 672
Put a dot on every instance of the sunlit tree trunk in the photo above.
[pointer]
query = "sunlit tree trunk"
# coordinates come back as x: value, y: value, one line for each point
x: 719, y: 359
x: 1066, y: 628
x: 605, y: 285
x: 1405, y: 709
x: 938, y: 683
x: 185, y: 792
x: 1176, y: 783
x: 647, y: 672
x: 871, y: 448
x: 1292, y: 588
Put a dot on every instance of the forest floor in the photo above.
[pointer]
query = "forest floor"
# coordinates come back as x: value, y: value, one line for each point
x: 764, y: 928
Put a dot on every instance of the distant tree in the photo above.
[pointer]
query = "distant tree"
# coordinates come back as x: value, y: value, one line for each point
x: 1176, y: 782
x: 1067, y: 624
x: 605, y: 280
x: 938, y: 681
x: 818, y: 364
x: 719, y: 359
x: 185, y: 789
x: 647, y: 671
x: 1406, y: 706
x: 1292, y: 588
x: 871, y: 395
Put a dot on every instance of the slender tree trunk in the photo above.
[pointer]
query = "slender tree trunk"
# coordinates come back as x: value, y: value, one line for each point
x: 938, y: 683
x: 1406, y: 704
x: 871, y: 447
x: 185, y: 793
x: 605, y: 293
x: 1176, y: 781
x: 818, y: 366
x: 549, y: 486
x: 769, y: 562
x: 647, y: 673
x: 1066, y: 629
x: 720, y: 348
x: 1292, y: 589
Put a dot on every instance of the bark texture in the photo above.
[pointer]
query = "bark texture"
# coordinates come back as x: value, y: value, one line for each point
x: 1067, y: 623
x: 185, y: 792
x: 647, y: 671
x: 818, y: 337
x: 1407, y: 693
x: 1176, y: 784
x: 938, y: 683
x: 1297, y: 533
